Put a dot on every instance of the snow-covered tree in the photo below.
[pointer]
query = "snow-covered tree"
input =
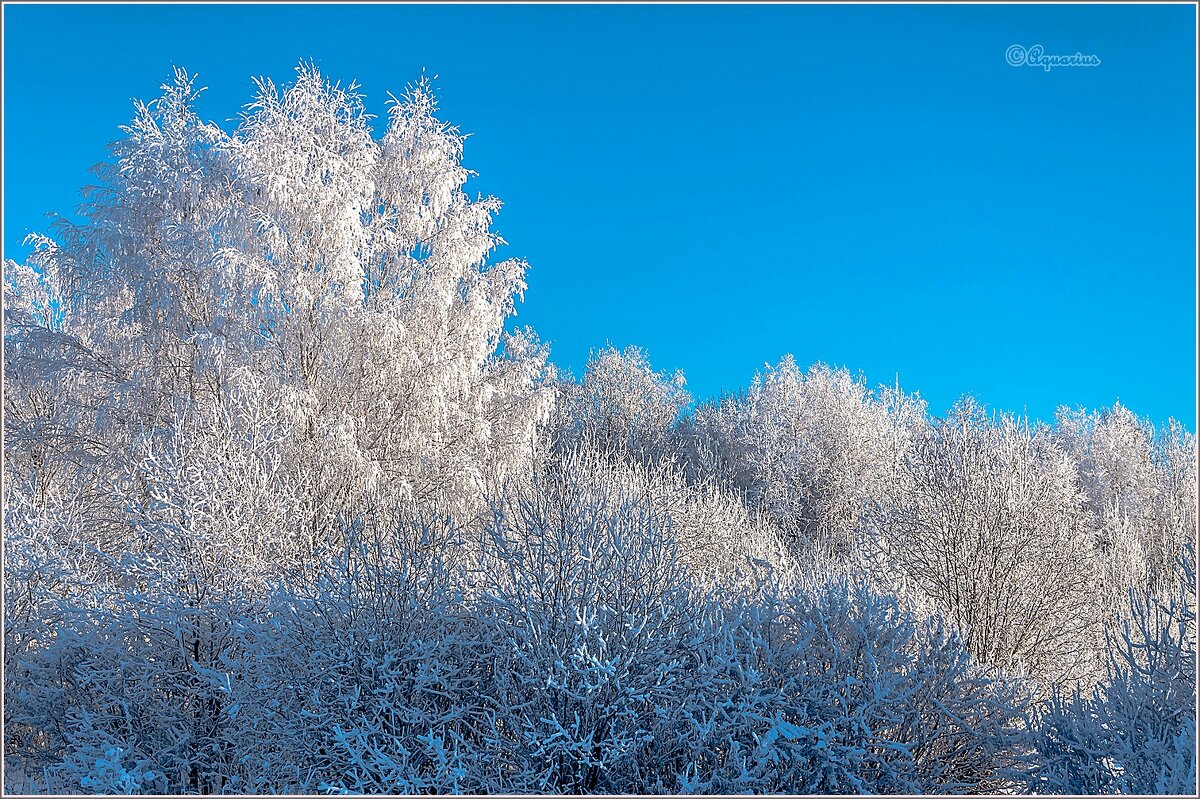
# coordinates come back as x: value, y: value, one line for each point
x: 621, y: 406
x: 340, y: 279
x: 808, y: 448
x: 988, y: 525
x: 252, y: 339
x: 1140, y: 490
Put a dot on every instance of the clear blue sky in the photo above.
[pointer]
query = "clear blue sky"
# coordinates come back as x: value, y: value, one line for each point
x: 869, y: 186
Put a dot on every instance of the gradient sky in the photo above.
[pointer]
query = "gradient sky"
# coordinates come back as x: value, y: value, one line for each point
x: 868, y: 186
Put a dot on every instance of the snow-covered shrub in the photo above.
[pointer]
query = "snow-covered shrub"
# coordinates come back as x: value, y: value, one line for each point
x: 716, y: 537
x: 839, y: 690
x: 618, y: 673
x: 1135, y: 733
x: 106, y: 769
x: 591, y: 614
x: 135, y: 669
x: 366, y: 676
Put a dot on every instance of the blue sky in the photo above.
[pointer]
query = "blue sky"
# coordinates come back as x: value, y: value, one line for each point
x: 869, y: 186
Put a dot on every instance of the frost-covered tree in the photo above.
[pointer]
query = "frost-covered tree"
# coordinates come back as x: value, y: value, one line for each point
x: 1140, y: 490
x: 988, y: 525
x: 342, y: 280
x: 621, y: 406
x: 252, y: 339
x: 808, y: 448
